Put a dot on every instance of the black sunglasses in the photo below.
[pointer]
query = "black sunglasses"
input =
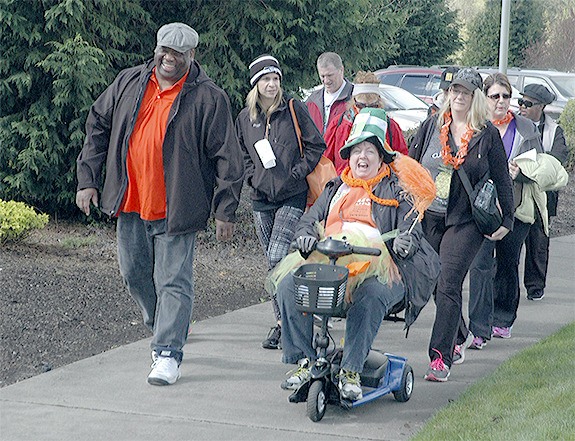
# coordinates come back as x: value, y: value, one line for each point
x: 496, y: 96
x: 364, y: 105
x: 526, y: 103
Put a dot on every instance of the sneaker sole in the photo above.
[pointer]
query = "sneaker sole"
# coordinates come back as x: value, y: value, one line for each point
x: 501, y: 336
x: 478, y: 348
x: 351, y: 397
x: 431, y: 377
x: 290, y: 386
x: 157, y: 381
x: 267, y: 346
x: 535, y: 299
x: 459, y: 361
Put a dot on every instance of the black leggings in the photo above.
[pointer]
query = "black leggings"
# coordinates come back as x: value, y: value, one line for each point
x: 458, y: 245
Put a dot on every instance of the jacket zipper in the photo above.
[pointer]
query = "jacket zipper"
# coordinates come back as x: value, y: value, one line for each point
x: 126, y: 144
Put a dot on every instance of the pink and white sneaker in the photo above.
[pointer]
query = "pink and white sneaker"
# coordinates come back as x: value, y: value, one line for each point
x: 501, y: 332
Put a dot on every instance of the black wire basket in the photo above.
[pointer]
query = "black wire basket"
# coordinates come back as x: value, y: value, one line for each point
x: 320, y: 289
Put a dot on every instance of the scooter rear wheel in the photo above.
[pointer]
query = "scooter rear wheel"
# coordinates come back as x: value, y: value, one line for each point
x: 404, y: 392
x: 316, y: 401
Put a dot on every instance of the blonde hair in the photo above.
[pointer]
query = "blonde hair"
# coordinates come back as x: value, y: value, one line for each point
x: 478, y: 113
x: 253, y: 101
x: 366, y: 77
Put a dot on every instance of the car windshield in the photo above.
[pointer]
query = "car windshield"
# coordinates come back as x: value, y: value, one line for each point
x: 399, y: 99
x: 566, y: 85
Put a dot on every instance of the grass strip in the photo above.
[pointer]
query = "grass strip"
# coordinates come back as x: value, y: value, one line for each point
x: 531, y: 396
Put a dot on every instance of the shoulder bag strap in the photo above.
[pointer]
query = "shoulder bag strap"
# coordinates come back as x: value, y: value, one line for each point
x: 295, y: 125
x: 465, y: 181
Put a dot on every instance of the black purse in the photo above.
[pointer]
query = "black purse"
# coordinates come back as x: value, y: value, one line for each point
x: 483, y: 200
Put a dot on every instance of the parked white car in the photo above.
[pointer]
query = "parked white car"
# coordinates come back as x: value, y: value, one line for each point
x: 405, y: 108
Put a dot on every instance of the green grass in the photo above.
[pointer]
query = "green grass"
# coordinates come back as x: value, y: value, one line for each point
x: 529, y: 397
x: 79, y: 242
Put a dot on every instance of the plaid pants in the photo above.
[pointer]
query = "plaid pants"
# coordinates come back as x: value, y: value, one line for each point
x: 275, y: 230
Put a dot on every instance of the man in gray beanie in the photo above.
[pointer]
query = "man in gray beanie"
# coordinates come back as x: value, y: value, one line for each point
x: 164, y: 131
x: 532, y: 105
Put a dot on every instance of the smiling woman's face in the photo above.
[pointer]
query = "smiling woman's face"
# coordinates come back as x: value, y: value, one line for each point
x: 364, y: 160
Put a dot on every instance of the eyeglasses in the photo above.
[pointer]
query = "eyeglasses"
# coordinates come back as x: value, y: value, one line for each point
x: 526, y: 103
x: 360, y: 105
x: 496, y: 96
x: 459, y: 91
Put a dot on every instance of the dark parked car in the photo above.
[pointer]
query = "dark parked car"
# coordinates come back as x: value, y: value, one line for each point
x: 423, y: 82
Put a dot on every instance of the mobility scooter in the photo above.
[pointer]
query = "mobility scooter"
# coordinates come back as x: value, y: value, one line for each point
x: 320, y: 290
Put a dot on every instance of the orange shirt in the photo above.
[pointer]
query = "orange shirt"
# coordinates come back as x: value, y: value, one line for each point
x: 354, y: 206
x: 146, y: 192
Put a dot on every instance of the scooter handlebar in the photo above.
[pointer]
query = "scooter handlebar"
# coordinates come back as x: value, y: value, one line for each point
x: 367, y: 251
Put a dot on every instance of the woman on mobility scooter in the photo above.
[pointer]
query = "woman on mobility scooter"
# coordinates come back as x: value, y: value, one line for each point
x: 381, y: 195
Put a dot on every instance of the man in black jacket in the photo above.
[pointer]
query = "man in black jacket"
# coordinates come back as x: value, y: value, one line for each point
x: 164, y: 131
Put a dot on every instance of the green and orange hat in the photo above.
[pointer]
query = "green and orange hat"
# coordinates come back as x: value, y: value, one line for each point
x: 370, y: 124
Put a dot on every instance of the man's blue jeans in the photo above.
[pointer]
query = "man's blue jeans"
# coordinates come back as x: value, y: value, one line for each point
x: 371, y: 303
x: 158, y: 271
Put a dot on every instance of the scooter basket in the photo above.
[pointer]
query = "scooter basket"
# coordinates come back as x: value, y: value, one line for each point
x: 320, y: 289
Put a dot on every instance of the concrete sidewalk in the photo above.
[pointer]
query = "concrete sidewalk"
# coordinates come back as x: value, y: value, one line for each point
x: 229, y: 388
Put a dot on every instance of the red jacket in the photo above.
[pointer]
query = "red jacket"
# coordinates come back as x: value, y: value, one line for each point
x: 338, y: 131
x: 315, y: 106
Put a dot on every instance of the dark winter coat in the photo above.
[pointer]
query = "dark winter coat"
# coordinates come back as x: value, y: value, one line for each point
x: 288, y: 177
x: 203, y: 167
x: 485, y: 154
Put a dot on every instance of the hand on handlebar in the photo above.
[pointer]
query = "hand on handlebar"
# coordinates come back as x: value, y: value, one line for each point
x: 306, y: 244
x: 403, y: 245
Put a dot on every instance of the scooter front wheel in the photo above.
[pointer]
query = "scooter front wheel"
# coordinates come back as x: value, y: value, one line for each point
x: 406, y: 388
x: 316, y: 401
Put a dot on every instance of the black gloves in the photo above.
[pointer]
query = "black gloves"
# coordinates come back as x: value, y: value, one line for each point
x: 306, y: 244
x: 403, y: 245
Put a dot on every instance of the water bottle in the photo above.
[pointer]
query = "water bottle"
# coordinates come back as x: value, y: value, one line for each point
x: 484, y: 196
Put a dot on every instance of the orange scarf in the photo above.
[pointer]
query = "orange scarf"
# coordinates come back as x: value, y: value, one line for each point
x: 505, y: 120
x: 369, y: 184
x: 355, y: 206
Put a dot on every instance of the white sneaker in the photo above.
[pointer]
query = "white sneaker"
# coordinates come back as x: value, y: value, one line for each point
x: 298, y: 376
x: 459, y: 350
x: 165, y: 370
x: 350, y: 385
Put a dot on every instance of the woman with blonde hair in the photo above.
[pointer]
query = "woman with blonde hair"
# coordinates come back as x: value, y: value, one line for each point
x: 274, y: 169
x: 365, y: 93
x: 459, y: 136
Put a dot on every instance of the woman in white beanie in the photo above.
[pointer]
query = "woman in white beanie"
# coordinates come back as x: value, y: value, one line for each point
x: 274, y: 169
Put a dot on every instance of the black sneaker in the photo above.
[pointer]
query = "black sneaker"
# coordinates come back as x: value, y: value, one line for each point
x: 536, y: 295
x: 274, y: 338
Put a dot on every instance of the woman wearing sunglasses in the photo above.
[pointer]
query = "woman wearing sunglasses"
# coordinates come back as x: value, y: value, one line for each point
x: 365, y: 94
x: 494, y: 281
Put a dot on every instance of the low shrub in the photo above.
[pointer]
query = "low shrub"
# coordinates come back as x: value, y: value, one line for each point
x: 17, y: 219
x: 567, y: 122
